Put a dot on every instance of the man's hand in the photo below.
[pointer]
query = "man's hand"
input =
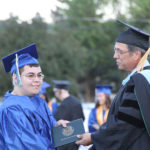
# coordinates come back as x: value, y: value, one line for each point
x: 84, y: 139
x: 62, y: 122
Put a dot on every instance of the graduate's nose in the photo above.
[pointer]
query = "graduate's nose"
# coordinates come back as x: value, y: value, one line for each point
x: 38, y: 77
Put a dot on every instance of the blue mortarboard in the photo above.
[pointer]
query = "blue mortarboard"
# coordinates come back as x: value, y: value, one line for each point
x: 45, y: 85
x: 26, y: 56
x: 61, y: 84
x: 134, y: 36
x: 103, y: 88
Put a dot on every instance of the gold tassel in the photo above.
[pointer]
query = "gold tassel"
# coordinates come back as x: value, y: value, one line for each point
x: 142, y: 61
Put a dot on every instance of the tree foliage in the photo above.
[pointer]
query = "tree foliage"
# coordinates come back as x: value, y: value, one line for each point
x: 85, y: 25
x: 77, y: 46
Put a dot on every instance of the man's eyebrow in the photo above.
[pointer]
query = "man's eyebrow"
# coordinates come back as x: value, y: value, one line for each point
x: 34, y: 73
x: 30, y: 73
x: 116, y: 48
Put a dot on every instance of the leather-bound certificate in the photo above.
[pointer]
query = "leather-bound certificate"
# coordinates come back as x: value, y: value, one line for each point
x: 62, y: 136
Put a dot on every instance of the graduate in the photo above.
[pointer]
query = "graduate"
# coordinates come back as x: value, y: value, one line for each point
x: 25, y: 119
x: 128, y: 123
x: 43, y: 94
x: 99, y: 113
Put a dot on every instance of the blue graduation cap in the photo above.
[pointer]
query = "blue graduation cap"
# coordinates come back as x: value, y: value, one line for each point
x: 20, y: 58
x: 134, y: 36
x: 25, y: 56
x: 44, y: 87
x: 61, y: 84
x: 103, y: 88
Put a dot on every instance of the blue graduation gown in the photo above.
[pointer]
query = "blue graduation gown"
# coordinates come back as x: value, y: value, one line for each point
x: 92, y: 120
x: 128, y: 123
x: 25, y: 123
x: 54, y: 108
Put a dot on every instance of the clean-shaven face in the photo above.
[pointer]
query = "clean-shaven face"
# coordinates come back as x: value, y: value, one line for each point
x: 101, y: 98
x: 124, y: 59
x: 31, y: 79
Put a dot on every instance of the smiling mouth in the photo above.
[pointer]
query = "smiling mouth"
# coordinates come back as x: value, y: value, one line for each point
x: 36, y: 87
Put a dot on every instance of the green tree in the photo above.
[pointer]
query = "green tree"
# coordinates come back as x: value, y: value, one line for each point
x: 81, y: 19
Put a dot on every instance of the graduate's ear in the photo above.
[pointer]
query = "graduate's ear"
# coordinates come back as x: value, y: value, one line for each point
x: 14, y: 79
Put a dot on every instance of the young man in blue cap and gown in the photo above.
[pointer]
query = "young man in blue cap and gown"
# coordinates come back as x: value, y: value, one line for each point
x: 99, y: 113
x: 25, y: 119
x: 43, y: 94
x: 70, y: 108
x: 128, y: 123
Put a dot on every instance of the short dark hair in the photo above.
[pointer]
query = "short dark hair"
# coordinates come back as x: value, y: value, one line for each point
x: 30, y: 65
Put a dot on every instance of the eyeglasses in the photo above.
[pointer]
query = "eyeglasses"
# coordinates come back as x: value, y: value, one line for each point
x: 119, y: 52
x: 32, y: 76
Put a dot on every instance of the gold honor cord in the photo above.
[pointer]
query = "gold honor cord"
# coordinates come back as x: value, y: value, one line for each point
x: 99, y: 115
x: 142, y: 61
x: 50, y: 106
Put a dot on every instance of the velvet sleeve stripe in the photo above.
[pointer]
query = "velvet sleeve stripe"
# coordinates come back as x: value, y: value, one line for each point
x: 130, y: 89
x: 130, y: 103
x: 131, y: 120
x: 130, y: 96
x: 143, y: 95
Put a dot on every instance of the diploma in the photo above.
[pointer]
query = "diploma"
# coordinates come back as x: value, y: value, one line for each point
x: 62, y: 136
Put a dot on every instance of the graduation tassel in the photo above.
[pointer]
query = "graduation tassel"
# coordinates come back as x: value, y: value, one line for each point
x: 142, y: 61
x: 17, y: 72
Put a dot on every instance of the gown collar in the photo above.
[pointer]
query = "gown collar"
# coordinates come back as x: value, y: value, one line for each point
x: 128, y: 77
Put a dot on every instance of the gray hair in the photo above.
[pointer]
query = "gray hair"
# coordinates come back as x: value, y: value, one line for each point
x: 135, y: 48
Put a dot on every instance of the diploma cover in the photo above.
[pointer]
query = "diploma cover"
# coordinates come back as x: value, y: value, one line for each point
x: 62, y: 136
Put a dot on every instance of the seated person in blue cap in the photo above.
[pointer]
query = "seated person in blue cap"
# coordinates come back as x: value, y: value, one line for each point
x: 128, y: 122
x: 25, y: 119
x: 98, y: 115
x: 70, y: 108
x: 43, y: 94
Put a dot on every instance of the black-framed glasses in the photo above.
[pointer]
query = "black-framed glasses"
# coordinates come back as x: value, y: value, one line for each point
x: 119, y: 52
x: 32, y: 76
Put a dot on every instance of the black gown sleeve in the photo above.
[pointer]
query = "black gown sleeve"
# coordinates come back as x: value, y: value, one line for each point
x: 143, y: 98
x: 124, y: 124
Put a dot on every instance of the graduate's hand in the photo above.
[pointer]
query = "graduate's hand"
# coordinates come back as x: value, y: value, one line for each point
x: 62, y: 122
x: 84, y: 139
x: 96, y: 126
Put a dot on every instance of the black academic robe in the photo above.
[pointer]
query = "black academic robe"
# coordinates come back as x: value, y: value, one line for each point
x: 128, y: 123
x: 70, y: 109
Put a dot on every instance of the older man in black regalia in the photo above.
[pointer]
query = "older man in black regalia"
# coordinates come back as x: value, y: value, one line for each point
x: 128, y: 123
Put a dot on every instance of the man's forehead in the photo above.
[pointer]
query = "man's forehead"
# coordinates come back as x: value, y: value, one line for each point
x: 119, y: 45
x: 55, y: 89
x: 31, y: 69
